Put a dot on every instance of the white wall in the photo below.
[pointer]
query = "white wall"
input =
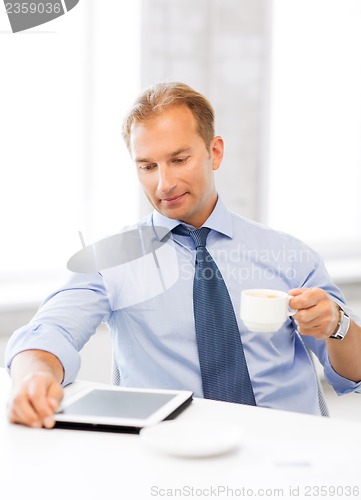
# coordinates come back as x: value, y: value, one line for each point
x: 220, y: 47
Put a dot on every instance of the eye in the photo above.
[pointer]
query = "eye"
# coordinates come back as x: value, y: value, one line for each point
x: 180, y: 160
x: 148, y: 167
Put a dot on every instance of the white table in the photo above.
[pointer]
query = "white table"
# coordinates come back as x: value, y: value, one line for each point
x: 283, y: 455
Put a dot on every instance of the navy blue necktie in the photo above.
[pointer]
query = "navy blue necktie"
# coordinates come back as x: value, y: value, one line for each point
x: 223, y: 365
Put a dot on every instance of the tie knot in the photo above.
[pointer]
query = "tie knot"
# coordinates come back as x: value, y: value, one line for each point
x: 199, y: 236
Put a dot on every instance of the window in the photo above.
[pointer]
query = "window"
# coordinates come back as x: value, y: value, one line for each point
x: 315, y: 129
x: 65, y: 86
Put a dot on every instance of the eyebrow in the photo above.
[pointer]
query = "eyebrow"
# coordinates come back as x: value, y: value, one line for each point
x: 170, y: 155
x: 179, y: 151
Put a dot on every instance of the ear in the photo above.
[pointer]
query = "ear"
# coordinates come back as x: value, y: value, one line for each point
x: 217, y: 150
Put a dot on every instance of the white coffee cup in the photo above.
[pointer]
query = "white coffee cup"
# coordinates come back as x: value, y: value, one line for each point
x: 265, y: 310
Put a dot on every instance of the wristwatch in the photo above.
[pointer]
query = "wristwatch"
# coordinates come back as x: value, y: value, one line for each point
x: 342, y: 326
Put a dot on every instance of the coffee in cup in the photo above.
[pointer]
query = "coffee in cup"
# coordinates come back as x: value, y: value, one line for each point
x: 265, y: 310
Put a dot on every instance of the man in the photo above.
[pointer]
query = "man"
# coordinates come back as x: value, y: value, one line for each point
x: 170, y: 136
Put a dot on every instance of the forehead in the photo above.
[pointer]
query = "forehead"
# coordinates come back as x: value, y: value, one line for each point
x: 171, y: 127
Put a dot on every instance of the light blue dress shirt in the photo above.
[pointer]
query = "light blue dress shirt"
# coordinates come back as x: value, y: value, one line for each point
x: 148, y: 306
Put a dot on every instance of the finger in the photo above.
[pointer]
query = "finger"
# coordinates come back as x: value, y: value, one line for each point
x: 297, y: 291
x: 316, y: 330
x: 21, y: 411
x: 307, y: 316
x: 42, y: 404
x: 35, y: 400
x: 55, y: 395
x: 309, y: 298
x: 38, y: 396
x: 313, y: 322
x: 24, y: 418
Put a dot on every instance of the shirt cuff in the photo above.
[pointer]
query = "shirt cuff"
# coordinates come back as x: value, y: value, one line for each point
x: 341, y: 384
x: 45, y: 338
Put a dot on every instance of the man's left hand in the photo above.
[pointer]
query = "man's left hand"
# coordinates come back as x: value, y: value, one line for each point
x: 317, y: 314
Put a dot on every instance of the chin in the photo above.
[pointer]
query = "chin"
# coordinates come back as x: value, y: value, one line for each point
x: 173, y: 214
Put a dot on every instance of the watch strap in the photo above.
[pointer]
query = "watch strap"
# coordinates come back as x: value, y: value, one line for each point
x: 342, y: 326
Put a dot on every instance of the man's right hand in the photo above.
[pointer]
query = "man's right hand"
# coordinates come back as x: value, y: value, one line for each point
x: 36, y: 391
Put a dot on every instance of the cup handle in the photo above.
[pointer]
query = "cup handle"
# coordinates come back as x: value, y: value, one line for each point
x: 291, y: 312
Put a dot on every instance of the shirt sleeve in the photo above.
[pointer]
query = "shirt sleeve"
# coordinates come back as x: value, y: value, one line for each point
x: 64, y: 323
x: 318, y: 276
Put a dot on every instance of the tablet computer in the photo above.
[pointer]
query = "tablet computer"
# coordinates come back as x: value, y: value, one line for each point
x: 120, y: 409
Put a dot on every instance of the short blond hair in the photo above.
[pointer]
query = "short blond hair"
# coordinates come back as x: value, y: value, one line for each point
x: 156, y: 99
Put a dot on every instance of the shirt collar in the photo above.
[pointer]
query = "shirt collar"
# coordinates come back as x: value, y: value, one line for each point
x: 220, y: 220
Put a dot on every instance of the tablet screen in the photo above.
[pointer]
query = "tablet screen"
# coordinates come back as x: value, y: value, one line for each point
x: 120, y: 407
x: 103, y: 403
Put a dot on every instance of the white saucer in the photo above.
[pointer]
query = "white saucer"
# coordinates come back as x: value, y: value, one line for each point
x: 192, y: 439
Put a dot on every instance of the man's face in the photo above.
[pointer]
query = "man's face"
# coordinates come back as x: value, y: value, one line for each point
x: 174, y: 166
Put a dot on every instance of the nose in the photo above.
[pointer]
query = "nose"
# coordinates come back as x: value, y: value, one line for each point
x: 166, y: 181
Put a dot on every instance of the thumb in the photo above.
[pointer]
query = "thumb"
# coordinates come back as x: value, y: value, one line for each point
x: 55, y: 395
x: 296, y: 291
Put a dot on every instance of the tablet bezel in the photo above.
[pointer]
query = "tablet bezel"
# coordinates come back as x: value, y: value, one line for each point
x: 181, y: 398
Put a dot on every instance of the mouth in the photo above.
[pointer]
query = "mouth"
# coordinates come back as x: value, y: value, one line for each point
x: 172, y: 200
